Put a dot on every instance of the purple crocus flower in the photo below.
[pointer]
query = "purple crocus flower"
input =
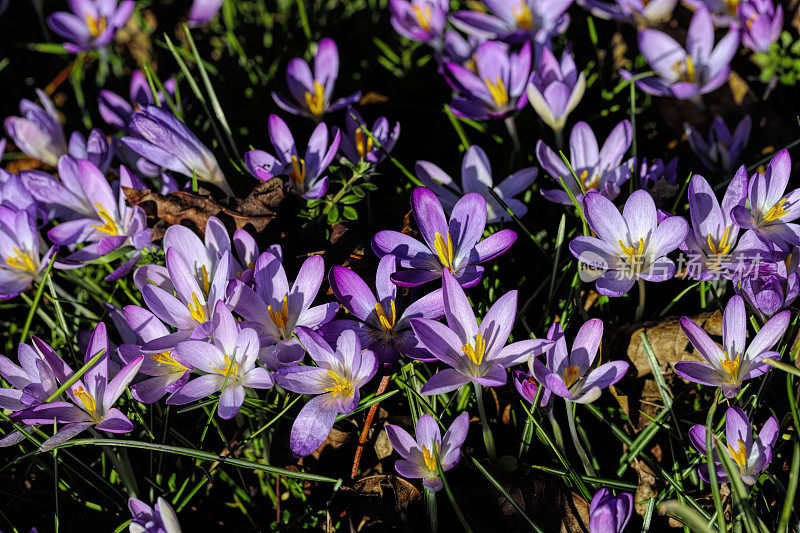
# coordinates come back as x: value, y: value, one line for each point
x: 448, y: 245
x: 723, y: 148
x: 723, y: 12
x: 91, y: 398
x: 95, y: 149
x: 228, y: 365
x: 496, y: 88
x: 203, y: 11
x: 516, y: 20
x: 761, y: 24
x: 117, y: 110
x: 601, y: 169
x: 771, y: 212
x: 92, y: 23
x: 729, y: 366
x: 768, y: 294
x: 275, y: 309
x: 312, y: 91
x: 38, y: 131
x: 699, y: 69
x: 476, y: 177
x: 637, y: 12
x: 567, y: 373
x: 168, y: 374
x: 474, y: 353
x: 555, y: 89
x: 527, y: 387
x: 459, y: 49
x: 419, y: 20
x: 160, y: 137
x: 659, y: 179
x: 628, y: 246
x: 609, y: 513
x: 305, y: 174
x: 160, y: 518
x: 357, y: 145
x: 750, y: 455
x: 335, y: 381
x: 419, y: 455
x: 384, y: 324
x: 247, y: 253
x: 712, y: 243
x: 21, y: 262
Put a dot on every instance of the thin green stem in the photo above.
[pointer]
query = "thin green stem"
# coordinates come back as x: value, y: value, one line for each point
x: 433, y: 511
x: 642, y: 295
x: 488, y: 439
x: 587, y: 464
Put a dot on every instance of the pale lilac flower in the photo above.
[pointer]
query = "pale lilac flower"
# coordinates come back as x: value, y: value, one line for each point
x: 305, y: 173
x: 496, y: 86
x: 750, y: 455
x: 659, y: 179
x: 335, y: 382
x: 555, y: 88
x: 761, y: 23
x: 636, y: 12
x: 384, y: 323
x: 771, y: 210
x: 476, y: 176
x: 357, y: 145
x: 419, y: 455
x: 160, y: 137
x: 247, y: 253
x: 419, y: 20
x: 229, y: 365
x: 275, y: 309
x: 161, y: 518
x: 459, y: 49
x: 699, y: 69
x: 609, y: 513
x: 569, y: 374
x: 92, y: 23
x: 474, y: 353
x: 38, y: 132
x: 451, y: 246
x: 312, y: 91
x: 723, y: 11
x: 516, y: 20
x: 599, y: 169
x: 628, y: 246
x: 95, y: 149
x: 91, y: 398
x: 527, y: 387
x: 203, y: 11
x: 735, y: 362
x: 723, y: 148
x: 117, y: 110
x: 21, y: 261
x: 769, y: 293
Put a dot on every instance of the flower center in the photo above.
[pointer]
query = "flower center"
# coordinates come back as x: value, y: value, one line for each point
x: 316, y: 102
x: 423, y: 14
x: 685, y: 70
x: 339, y: 385
x: 476, y: 350
x: 430, y: 457
x: 522, y: 15
x: 206, y: 281
x: 166, y: 359
x: 498, y: 91
x: 298, y: 173
x: 280, y: 319
x: 731, y: 367
x: 96, y: 25
x: 589, y: 184
x: 20, y: 260
x: 444, y: 250
x: 776, y: 211
x: 571, y: 375
x: 363, y: 146
x: 88, y: 402
x: 740, y: 454
x: 109, y: 227
x: 633, y: 256
x: 230, y: 368
x: 732, y: 7
x: 386, y: 322
x: 196, y: 309
x: 724, y: 246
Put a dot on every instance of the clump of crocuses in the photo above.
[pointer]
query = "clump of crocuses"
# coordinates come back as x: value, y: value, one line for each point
x: 92, y: 23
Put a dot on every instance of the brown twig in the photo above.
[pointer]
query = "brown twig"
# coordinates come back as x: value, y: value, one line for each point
x: 372, y: 410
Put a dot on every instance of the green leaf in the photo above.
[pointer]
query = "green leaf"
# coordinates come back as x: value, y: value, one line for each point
x: 349, y: 213
x: 333, y: 215
x: 350, y: 199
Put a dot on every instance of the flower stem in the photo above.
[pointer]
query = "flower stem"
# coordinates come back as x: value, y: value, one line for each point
x: 527, y: 435
x: 433, y: 511
x: 122, y: 466
x: 488, y: 439
x: 511, y: 126
x: 640, y: 308
x: 345, y: 188
x: 587, y: 465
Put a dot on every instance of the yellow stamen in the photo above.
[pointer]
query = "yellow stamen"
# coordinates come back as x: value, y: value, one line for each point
x: 423, y: 14
x: 732, y: 6
x: 96, y: 25
x: 589, y: 184
x: 298, y: 173
x: 87, y: 400
x: 444, y: 249
x: 430, y: 457
x: 386, y: 323
x: 206, y: 282
x: 498, y: 91
x: 280, y: 319
x: 340, y: 386
x: 472, y: 63
x: 571, y: 375
x: 634, y: 256
x: 196, y: 309
x: 523, y: 16
x: 685, y: 70
x: 740, y: 454
x: 166, y: 359
x: 731, y: 367
x: 109, y: 227
x: 20, y: 260
x: 316, y: 102
x: 776, y: 211
x: 724, y: 246
x: 475, y: 351
x: 230, y: 368
x: 363, y: 146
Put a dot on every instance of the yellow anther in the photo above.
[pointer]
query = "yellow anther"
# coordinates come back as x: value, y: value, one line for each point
x: 732, y: 6
x: 571, y: 375
x: 430, y: 457
x: 444, y: 250
x: 724, y: 246
x: 206, y: 282
x: 316, y: 102
x: 776, y: 211
x: 498, y: 91
x: 339, y: 386
x: 740, y: 454
x: 96, y: 25
x: 363, y: 146
x: 196, y: 309
x: 423, y: 14
x: 20, y: 260
x: 522, y: 15
x: 166, y: 359
x: 87, y: 400
x: 634, y: 256
x: 109, y: 226
x: 280, y: 319
x: 685, y: 70
x: 386, y: 322
x: 230, y: 368
x: 475, y: 351
x: 589, y: 184
x: 731, y: 367
x: 298, y: 173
